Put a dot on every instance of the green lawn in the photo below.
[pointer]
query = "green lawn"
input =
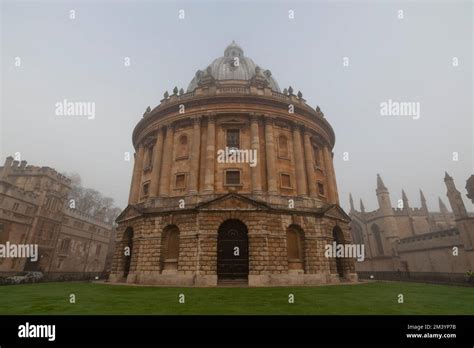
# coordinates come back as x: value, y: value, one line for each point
x: 367, y: 298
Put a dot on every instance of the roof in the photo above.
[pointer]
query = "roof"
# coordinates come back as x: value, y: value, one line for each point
x: 234, y: 65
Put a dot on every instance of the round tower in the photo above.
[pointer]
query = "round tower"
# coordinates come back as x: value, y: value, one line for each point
x: 233, y: 180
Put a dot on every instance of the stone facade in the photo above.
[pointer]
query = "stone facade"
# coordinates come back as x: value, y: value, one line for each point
x: 199, y: 215
x: 33, y: 210
x: 413, y: 239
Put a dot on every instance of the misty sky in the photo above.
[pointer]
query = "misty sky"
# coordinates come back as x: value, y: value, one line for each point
x: 407, y: 60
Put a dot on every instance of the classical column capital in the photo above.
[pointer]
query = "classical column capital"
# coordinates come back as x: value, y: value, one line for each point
x: 268, y: 119
x: 159, y: 130
x: 211, y: 117
x: 254, y: 117
x: 308, y: 131
x: 169, y: 126
x: 196, y: 119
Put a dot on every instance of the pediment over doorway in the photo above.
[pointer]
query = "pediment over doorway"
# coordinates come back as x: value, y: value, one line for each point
x: 233, y: 201
x: 336, y: 212
x: 130, y: 212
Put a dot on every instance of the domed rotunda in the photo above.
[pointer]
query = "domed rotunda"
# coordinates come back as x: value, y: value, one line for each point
x: 233, y: 183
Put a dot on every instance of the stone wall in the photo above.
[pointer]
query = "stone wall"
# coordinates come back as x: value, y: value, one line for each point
x: 198, y: 239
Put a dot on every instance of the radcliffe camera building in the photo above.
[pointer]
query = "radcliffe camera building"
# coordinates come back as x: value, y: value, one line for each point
x: 198, y: 218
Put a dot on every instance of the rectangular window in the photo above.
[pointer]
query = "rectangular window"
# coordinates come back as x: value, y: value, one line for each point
x: 317, y: 158
x: 60, y: 263
x: 320, y: 188
x: 146, y: 189
x: 97, y: 250
x: 65, y: 245
x: 150, y: 156
x: 180, y: 181
x: 232, y: 177
x: 285, y: 180
x: 233, y: 138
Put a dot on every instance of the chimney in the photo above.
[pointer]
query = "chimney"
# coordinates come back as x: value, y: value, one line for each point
x: 22, y: 164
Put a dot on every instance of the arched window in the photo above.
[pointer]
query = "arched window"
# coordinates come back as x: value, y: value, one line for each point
x: 357, y: 234
x: 378, y: 239
x: 295, y: 250
x: 182, y: 146
x: 282, y: 146
x: 170, y: 249
x: 338, y: 237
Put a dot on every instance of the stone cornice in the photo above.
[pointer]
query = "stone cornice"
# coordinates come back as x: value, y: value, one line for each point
x: 243, y: 103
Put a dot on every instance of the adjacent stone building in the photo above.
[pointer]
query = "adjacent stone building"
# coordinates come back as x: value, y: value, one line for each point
x: 33, y: 210
x: 415, y: 240
x: 233, y: 182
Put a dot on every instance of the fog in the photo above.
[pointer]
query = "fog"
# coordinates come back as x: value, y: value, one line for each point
x: 403, y: 60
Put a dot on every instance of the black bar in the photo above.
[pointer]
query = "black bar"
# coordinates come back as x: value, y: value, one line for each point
x: 381, y: 331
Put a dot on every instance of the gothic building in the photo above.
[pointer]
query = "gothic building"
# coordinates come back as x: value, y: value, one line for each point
x: 233, y: 181
x: 34, y: 210
x: 413, y: 239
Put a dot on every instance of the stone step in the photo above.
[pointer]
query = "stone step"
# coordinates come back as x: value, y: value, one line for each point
x: 232, y: 282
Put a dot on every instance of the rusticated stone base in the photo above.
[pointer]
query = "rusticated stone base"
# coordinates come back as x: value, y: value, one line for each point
x: 193, y: 249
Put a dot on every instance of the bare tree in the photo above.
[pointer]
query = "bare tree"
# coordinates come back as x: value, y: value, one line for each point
x: 90, y: 201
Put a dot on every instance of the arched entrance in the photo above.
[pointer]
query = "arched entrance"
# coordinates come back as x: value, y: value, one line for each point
x: 127, y: 243
x: 339, y: 239
x: 170, y: 249
x: 295, y: 248
x: 232, y: 250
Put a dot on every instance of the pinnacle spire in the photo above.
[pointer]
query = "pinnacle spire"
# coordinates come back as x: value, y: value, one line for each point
x: 362, y: 208
x: 380, y: 184
x: 351, y: 201
x: 405, y: 200
x: 442, y: 206
x: 422, y: 197
x: 447, y: 176
x: 423, y: 201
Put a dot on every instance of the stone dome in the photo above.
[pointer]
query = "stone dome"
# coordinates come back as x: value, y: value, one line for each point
x: 225, y: 68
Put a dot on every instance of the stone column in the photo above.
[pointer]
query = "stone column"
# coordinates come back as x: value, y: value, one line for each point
x: 299, y: 164
x: 270, y: 155
x: 329, y: 174
x: 210, y: 154
x: 308, y: 155
x: 165, y: 178
x: 336, y: 193
x: 332, y: 175
x: 255, y: 147
x: 194, y: 158
x: 157, y: 155
x: 137, y: 176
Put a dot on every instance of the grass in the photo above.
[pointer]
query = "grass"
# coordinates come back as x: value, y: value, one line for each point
x: 366, y: 298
